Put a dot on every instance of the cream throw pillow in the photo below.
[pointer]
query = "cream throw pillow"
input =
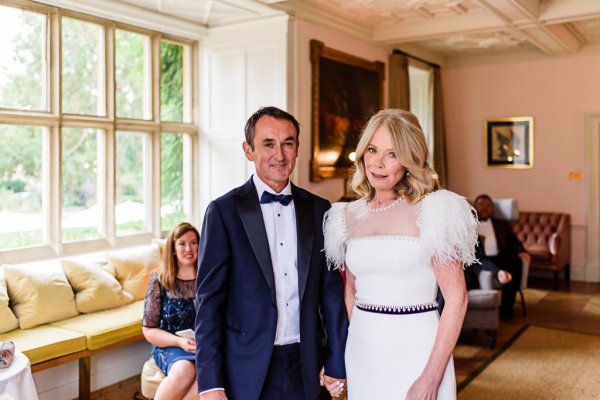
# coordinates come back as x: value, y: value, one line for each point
x: 133, y: 267
x: 161, y: 243
x: 95, y: 289
x: 39, y: 294
x: 8, y: 321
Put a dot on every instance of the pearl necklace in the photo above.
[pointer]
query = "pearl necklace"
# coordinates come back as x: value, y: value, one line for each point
x: 393, y: 204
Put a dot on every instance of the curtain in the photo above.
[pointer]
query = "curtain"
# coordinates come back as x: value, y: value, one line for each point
x: 399, y: 94
x: 439, y: 131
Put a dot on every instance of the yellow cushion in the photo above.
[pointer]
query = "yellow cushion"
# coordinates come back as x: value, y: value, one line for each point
x: 106, y: 327
x: 95, y: 289
x: 108, y: 268
x: 8, y: 321
x: 134, y: 266
x: 161, y: 243
x: 39, y: 294
x: 45, y: 342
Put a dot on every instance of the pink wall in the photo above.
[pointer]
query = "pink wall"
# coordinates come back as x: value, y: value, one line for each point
x: 557, y: 93
x: 331, y: 189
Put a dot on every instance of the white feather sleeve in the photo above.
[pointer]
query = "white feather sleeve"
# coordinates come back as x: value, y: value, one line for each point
x: 448, y: 227
x: 335, y: 234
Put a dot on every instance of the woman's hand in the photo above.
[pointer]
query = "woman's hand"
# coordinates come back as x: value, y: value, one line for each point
x: 187, y: 344
x: 334, y: 386
x: 424, y: 388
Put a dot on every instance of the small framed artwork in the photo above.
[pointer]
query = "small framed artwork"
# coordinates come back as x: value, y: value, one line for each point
x: 509, y: 142
x: 346, y: 92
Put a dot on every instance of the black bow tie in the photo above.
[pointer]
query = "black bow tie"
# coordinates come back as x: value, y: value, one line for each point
x: 268, y: 197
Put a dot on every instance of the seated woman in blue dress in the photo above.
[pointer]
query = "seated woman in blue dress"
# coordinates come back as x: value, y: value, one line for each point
x: 168, y: 308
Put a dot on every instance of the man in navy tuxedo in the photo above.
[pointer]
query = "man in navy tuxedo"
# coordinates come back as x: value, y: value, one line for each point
x: 269, y: 314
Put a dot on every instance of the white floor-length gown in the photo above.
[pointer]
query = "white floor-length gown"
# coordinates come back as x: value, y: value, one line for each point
x: 386, y: 353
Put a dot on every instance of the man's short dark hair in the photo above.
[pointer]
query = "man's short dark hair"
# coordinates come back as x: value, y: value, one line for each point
x: 271, y: 112
x: 482, y: 196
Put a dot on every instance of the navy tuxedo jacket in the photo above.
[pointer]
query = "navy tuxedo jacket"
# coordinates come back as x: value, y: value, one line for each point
x: 236, y: 313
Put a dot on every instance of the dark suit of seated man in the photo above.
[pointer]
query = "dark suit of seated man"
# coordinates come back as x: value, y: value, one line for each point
x: 500, y: 253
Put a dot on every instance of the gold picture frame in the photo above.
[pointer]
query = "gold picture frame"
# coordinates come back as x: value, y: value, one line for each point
x: 346, y: 92
x: 509, y: 142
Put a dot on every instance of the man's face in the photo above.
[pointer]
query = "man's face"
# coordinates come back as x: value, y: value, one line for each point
x: 484, y: 208
x: 275, y: 151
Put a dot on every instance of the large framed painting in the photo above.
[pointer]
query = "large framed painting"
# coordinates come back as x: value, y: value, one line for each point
x: 509, y: 142
x: 346, y: 92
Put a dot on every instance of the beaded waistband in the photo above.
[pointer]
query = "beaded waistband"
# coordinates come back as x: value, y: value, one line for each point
x: 382, y: 309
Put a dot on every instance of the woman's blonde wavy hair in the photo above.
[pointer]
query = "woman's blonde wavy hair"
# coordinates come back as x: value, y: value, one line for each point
x: 169, y: 267
x: 410, y: 147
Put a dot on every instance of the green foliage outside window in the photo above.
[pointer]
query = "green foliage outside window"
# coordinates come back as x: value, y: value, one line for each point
x: 22, y: 77
x: 130, y: 71
x: 82, y: 66
x: 171, y: 180
x: 171, y: 82
x: 20, y: 186
x: 79, y: 173
x: 130, y: 181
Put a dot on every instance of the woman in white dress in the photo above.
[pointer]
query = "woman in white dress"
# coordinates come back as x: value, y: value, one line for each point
x: 397, y: 243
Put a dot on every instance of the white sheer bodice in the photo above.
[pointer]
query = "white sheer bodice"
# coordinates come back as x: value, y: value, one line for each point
x: 443, y: 222
x: 397, y: 219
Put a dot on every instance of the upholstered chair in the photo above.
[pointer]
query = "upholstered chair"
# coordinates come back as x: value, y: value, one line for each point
x: 547, y: 238
x: 483, y: 308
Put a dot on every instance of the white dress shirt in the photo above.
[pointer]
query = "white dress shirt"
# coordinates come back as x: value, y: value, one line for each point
x: 490, y: 244
x: 280, y: 224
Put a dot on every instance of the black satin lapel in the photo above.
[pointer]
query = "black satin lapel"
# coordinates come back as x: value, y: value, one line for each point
x: 305, y: 231
x: 248, y: 209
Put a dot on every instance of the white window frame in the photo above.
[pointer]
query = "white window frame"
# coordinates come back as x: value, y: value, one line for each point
x: 421, y: 100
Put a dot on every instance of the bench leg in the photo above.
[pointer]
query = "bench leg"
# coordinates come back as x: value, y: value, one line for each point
x: 85, y: 388
x: 556, y: 279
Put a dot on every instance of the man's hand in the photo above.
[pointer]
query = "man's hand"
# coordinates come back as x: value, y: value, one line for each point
x: 504, y: 276
x: 213, y: 395
x: 335, y: 386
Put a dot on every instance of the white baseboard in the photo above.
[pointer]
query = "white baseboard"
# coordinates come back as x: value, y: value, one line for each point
x: 108, y: 368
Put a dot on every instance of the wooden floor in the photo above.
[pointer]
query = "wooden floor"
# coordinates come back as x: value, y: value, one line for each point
x: 575, y: 307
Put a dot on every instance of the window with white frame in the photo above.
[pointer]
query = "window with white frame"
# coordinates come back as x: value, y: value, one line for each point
x: 96, y: 132
x: 421, y: 101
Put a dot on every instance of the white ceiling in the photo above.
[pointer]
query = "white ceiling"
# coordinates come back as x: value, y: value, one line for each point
x: 445, y: 27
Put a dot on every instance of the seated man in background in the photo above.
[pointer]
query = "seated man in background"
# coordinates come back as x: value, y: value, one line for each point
x: 500, y: 252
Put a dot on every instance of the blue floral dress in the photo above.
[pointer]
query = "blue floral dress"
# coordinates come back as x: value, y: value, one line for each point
x: 172, y: 311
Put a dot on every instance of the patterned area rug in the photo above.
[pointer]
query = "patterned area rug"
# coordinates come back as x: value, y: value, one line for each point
x: 538, y: 363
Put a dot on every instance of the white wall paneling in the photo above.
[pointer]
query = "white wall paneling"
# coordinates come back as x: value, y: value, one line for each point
x: 242, y: 68
x: 592, y: 145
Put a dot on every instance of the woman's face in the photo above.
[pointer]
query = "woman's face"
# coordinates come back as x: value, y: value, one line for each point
x: 186, y: 249
x: 383, y: 169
